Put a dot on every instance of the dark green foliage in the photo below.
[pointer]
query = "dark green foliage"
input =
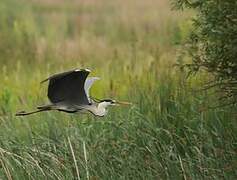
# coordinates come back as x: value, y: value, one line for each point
x: 213, y: 42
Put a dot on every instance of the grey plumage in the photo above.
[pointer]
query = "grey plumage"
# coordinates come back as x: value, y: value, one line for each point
x: 88, y: 83
x: 69, y: 92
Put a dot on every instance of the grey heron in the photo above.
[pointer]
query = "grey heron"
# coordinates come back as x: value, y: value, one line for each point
x: 70, y: 92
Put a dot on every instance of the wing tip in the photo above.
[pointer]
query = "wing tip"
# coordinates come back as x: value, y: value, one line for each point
x: 76, y: 70
x: 44, y: 80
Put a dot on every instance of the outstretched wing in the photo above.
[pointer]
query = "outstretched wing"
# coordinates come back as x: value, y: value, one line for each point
x: 68, y: 87
x: 88, y: 83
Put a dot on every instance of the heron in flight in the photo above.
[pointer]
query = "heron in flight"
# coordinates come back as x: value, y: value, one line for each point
x: 69, y: 92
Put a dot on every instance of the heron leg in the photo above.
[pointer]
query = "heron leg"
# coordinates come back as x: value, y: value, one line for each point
x: 40, y: 109
x: 23, y: 113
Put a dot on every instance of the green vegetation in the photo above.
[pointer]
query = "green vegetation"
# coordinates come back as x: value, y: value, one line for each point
x: 213, y: 42
x: 169, y: 132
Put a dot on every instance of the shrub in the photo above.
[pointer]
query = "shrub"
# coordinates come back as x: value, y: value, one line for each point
x: 213, y: 43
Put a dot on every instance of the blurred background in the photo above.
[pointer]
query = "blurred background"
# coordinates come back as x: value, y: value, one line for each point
x: 134, y: 46
x: 116, y: 40
x: 120, y: 42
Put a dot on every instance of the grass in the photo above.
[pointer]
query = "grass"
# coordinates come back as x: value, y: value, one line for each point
x: 169, y: 132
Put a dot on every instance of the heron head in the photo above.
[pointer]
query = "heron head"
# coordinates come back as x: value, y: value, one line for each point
x: 108, y: 102
x: 113, y: 102
x: 103, y: 104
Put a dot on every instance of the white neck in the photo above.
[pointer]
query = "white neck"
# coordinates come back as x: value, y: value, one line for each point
x: 100, y: 109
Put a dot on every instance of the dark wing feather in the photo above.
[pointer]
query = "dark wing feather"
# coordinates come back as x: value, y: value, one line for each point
x: 68, y: 87
x: 55, y: 76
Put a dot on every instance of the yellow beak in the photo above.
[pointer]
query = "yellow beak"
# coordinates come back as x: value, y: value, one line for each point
x: 123, y: 103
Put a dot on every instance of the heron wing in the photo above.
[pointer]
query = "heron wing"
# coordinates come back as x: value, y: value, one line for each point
x: 59, y: 75
x: 88, y: 83
x: 68, y: 87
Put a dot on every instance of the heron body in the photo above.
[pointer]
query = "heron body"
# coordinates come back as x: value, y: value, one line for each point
x: 69, y: 92
x: 98, y: 109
